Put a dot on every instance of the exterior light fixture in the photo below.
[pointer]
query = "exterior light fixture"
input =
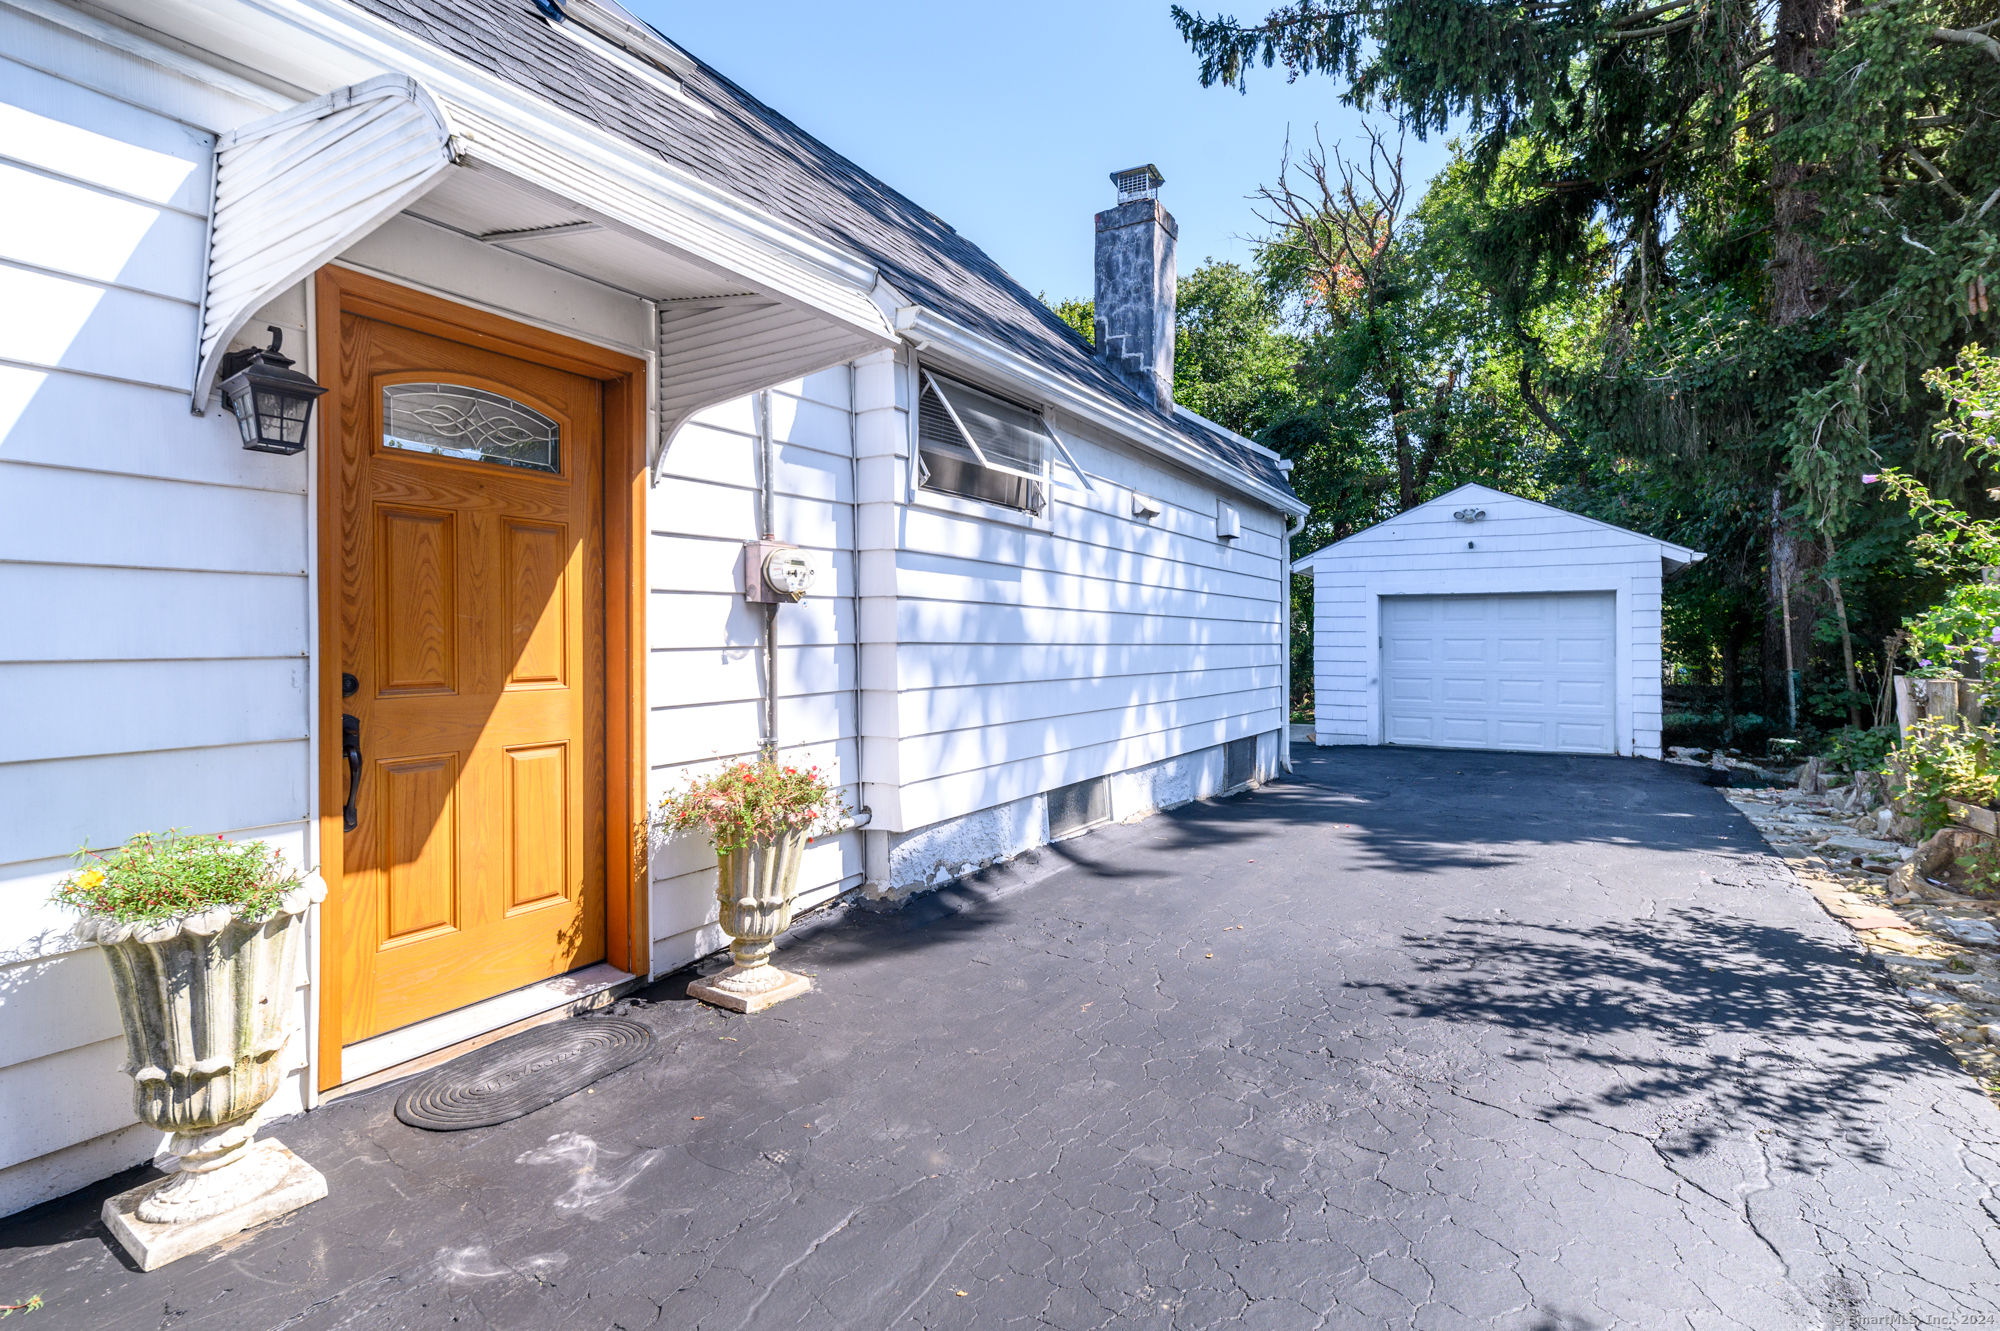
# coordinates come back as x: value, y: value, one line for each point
x: 1470, y: 514
x: 273, y: 402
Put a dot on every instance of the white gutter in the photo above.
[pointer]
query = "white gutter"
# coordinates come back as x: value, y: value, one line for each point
x: 926, y: 329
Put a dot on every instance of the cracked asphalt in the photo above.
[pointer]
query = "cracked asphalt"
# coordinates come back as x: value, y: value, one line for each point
x: 1412, y: 1039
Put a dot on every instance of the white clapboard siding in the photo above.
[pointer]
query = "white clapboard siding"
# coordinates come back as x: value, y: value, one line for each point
x: 943, y: 797
x: 128, y: 706
x: 970, y: 665
x: 99, y: 236
x: 945, y: 621
x: 1031, y: 656
x: 103, y: 331
x: 54, y: 516
x: 697, y: 676
x: 975, y: 707
x: 71, y: 1005
x: 1518, y: 547
x: 141, y: 613
x: 706, y: 665
x: 100, y: 425
x: 78, y: 133
x: 153, y: 652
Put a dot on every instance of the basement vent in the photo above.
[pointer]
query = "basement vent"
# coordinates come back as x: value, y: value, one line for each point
x: 1239, y: 762
x: 1083, y: 805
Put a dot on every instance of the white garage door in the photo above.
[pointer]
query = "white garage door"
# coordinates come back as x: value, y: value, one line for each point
x: 1500, y: 672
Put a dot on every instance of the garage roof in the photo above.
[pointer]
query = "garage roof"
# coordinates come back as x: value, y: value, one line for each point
x: 1475, y: 497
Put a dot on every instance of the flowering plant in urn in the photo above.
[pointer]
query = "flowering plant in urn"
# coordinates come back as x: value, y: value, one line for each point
x: 203, y: 937
x: 758, y: 817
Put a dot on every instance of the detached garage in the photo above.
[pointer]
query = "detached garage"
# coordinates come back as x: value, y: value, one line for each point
x: 1482, y: 620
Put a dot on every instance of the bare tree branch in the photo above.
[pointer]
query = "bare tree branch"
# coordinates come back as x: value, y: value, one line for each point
x: 1968, y: 37
x: 1910, y: 151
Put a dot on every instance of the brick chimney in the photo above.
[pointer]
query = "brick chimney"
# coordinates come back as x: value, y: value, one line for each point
x: 1135, y: 287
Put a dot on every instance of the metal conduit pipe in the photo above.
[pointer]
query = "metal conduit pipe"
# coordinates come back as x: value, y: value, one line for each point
x: 767, y: 480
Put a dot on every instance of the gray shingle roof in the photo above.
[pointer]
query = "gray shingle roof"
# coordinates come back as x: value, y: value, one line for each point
x: 752, y: 151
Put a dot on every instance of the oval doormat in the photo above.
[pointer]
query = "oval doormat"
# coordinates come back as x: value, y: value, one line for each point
x: 522, y: 1073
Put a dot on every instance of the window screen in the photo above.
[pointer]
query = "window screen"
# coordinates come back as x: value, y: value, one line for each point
x: 978, y: 446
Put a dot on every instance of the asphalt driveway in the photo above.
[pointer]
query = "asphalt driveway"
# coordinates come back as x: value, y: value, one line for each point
x: 1414, y: 1039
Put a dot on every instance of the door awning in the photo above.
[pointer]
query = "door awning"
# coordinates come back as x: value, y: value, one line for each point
x: 295, y: 189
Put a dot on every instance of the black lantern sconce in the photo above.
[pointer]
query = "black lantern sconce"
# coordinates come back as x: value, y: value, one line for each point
x: 273, y: 402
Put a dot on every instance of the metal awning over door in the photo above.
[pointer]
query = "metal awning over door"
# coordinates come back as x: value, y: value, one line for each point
x: 294, y: 189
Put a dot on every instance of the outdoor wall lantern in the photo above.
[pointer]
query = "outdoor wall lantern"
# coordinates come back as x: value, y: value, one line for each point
x: 273, y: 402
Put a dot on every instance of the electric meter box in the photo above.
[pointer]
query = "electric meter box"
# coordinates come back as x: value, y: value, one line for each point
x: 775, y: 573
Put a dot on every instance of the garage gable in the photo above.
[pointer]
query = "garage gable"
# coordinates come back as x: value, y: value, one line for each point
x: 1492, y: 520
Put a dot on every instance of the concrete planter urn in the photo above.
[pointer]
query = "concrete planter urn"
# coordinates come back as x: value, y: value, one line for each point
x: 206, y: 1002
x: 755, y: 885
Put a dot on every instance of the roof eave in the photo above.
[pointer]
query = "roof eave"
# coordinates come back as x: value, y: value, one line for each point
x: 925, y: 327
x: 713, y: 221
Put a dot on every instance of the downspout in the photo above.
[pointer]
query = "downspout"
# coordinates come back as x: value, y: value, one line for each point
x: 863, y: 814
x: 1285, y: 704
x: 766, y: 520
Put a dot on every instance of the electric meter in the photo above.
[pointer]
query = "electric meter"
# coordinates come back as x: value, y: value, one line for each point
x: 774, y: 572
x: 789, y: 573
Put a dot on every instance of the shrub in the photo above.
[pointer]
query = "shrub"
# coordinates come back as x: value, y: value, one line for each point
x: 1938, y: 759
x: 1855, y: 749
x: 159, y: 877
x: 747, y: 802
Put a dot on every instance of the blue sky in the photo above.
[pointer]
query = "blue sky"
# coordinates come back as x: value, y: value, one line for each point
x: 1006, y: 120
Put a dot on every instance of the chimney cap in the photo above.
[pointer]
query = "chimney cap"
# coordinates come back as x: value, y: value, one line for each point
x: 1138, y: 182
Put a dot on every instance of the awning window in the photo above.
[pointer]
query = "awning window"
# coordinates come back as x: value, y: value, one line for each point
x: 973, y: 444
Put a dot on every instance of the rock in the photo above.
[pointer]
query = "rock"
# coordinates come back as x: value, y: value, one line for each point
x: 1971, y: 931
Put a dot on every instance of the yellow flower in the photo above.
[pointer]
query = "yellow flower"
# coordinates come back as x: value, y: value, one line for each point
x: 89, y: 879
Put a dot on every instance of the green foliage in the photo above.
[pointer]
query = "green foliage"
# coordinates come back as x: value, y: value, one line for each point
x: 750, y: 802
x: 1858, y: 748
x: 34, y: 1304
x: 1977, y: 869
x: 160, y: 877
x: 1080, y: 315
x: 1956, y: 637
x: 1938, y: 759
x: 1952, y: 541
x: 1714, y: 263
x: 1233, y: 359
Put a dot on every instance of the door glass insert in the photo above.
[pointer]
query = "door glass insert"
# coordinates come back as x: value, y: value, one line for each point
x: 470, y: 424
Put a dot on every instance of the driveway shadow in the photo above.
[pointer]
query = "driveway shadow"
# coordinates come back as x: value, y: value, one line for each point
x: 1766, y: 1027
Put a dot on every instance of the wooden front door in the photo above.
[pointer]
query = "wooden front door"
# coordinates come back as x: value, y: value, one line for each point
x: 470, y: 626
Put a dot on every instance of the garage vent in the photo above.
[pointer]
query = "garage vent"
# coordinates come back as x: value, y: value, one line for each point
x: 1239, y: 762
x: 1075, y: 808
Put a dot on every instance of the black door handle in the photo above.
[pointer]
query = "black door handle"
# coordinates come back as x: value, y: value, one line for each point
x: 350, y: 748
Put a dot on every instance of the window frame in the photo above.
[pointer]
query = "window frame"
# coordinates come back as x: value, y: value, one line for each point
x: 921, y: 379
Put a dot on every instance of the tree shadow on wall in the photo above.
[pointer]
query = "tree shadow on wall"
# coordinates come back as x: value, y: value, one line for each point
x: 1751, y: 1026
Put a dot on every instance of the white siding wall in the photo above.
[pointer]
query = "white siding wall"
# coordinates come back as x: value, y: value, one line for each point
x: 1033, y: 653
x: 706, y: 666
x: 155, y: 635
x: 1519, y: 546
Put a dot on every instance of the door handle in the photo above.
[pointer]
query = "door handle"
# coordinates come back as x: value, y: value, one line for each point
x: 350, y: 748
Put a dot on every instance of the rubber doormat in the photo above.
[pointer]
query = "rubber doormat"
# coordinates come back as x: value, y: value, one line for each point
x: 522, y: 1073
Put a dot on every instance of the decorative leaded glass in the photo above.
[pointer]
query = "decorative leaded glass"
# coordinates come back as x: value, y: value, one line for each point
x: 471, y: 424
